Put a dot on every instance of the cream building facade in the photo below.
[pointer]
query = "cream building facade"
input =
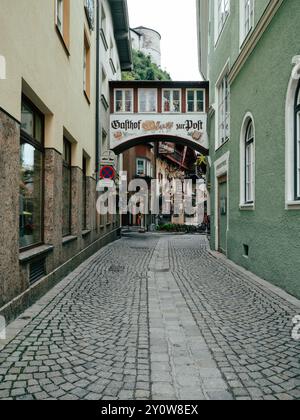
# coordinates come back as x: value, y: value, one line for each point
x: 51, y: 123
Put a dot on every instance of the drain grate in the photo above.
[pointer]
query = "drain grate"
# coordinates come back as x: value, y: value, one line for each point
x: 116, y: 269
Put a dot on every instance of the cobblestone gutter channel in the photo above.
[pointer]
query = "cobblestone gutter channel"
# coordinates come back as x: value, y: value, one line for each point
x: 182, y: 366
x: 153, y: 317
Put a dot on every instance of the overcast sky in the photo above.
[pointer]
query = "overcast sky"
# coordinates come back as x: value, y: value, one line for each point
x: 175, y: 20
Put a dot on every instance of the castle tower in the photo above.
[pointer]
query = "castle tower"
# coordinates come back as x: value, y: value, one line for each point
x: 147, y: 41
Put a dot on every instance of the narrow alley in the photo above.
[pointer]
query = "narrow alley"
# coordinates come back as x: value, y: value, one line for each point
x: 154, y: 317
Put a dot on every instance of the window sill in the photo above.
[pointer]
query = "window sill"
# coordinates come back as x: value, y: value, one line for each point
x: 101, y: 227
x: 124, y: 113
x: 104, y: 102
x: 293, y: 205
x: 66, y: 240
x: 103, y: 37
x: 219, y: 36
x: 221, y: 145
x: 112, y: 66
x: 86, y: 232
x: 62, y: 40
x: 108, y: 224
x: 35, y: 252
x: 247, y: 207
x: 87, y: 97
x: 245, y: 39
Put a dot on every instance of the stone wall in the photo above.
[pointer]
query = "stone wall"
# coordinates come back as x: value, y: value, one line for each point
x: 59, y: 255
x: 10, y: 284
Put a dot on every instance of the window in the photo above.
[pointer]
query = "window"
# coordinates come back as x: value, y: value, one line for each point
x: 249, y: 164
x: 63, y: 20
x: 86, y: 67
x: 89, y: 6
x: 223, y: 111
x: 111, y: 57
x: 147, y: 100
x: 144, y: 168
x: 297, y: 144
x: 247, y: 147
x: 67, y: 188
x: 60, y: 15
x: 124, y: 100
x: 141, y: 167
x: 31, y: 176
x: 195, y: 100
x: 222, y: 12
x: 246, y: 18
x: 172, y: 100
x: 84, y: 193
x: 103, y: 28
x: 292, y: 138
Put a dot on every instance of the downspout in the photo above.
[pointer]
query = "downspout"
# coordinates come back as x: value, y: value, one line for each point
x: 97, y: 91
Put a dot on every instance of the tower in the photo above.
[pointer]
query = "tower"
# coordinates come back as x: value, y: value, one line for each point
x: 147, y: 41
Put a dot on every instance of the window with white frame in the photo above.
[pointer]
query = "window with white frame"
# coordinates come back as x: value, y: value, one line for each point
x: 297, y: 144
x: 249, y: 163
x: 144, y: 168
x: 147, y: 100
x: 172, y: 100
x: 141, y: 167
x: 223, y: 111
x: 124, y: 100
x: 195, y: 100
x: 246, y: 18
x: 222, y: 13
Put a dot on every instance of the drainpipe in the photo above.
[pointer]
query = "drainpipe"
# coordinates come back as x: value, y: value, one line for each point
x: 97, y: 90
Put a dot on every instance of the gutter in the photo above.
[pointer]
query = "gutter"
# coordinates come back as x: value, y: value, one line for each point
x: 97, y: 162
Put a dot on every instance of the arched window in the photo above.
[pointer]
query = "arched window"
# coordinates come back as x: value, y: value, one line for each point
x: 249, y: 163
x: 247, y: 149
x: 292, y: 139
x: 297, y: 143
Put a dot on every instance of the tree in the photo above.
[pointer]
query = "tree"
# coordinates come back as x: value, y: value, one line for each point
x: 145, y: 69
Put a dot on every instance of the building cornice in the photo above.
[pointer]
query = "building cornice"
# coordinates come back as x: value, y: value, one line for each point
x: 254, y: 38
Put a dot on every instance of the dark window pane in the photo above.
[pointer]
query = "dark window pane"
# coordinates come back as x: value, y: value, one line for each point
x: 27, y: 120
x: 200, y: 96
x: 31, y: 163
x: 38, y: 128
x: 67, y: 152
x: 66, y: 216
x: 84, y: 194
x: 191, y: 95
x: 191, y: 106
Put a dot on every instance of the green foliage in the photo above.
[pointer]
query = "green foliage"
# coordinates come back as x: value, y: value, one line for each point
x: 144, y: 69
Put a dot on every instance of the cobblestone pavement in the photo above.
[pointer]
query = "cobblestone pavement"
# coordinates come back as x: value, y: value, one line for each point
x: 154, y: 317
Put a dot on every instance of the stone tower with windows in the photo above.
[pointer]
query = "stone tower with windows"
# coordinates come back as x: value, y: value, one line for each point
x: 147, y: 41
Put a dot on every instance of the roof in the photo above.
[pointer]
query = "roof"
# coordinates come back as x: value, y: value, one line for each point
x: 147, y: 29
x: 119, y: 11
x: 160, y: 83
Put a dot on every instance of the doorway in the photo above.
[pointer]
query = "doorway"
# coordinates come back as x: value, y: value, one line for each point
x: 222, y: 212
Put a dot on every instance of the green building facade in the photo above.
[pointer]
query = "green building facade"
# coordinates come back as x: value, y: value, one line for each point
x: 250, y: 52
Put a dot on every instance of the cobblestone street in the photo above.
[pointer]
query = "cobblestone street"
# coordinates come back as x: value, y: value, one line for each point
x: 154, y: 317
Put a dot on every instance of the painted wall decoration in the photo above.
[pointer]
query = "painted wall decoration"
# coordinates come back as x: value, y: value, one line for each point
x: 187, y: 126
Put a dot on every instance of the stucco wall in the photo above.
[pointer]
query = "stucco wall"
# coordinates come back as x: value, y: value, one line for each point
x: 227, y: 48
x: 271, y: 231
x: 34, y: 55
